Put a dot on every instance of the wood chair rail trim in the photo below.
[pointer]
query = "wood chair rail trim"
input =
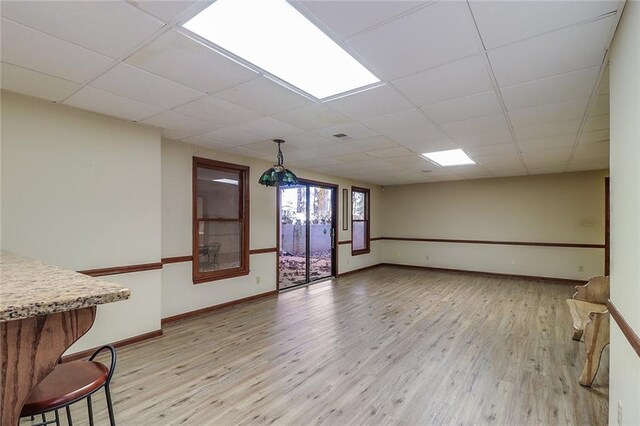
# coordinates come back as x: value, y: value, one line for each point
x: 115, y: 270
x: 631, y: 336
x: 506, y: 243
x: 263, y: 250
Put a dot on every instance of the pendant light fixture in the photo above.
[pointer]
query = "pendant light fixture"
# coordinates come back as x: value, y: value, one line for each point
x: 278, y: 175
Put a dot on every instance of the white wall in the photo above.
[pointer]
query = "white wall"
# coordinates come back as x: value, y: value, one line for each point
x: 561, y: 208
x: 625, y: 213
x: 179, y: 294
x: 82, y: 191
x: 85, y: 191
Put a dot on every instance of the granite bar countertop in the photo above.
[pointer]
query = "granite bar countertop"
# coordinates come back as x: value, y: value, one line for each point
x: 29, y: 288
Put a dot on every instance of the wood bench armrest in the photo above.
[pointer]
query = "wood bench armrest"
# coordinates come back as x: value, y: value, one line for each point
x: 580, y: 312
x: 595, y: 291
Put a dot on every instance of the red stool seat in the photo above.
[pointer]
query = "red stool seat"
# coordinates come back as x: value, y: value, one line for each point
x: 67, y: 383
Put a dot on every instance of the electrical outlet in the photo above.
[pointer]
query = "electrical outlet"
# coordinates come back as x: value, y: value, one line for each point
x: 426, y: 257
x: 258, y: 279
x: 619, y: 413
x: 513, y: 261
x: 348, y: 261
x: 580, y: 268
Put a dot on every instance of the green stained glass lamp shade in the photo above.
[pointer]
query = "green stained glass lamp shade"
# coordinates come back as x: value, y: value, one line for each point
x: 278, y: 175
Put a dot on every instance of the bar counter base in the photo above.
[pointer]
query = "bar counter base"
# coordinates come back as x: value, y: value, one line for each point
x: 30, y: 350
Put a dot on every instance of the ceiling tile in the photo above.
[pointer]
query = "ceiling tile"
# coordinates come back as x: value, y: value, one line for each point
x: 502, y: 22
x: 573, y: 85
x: 549, y: 157
x: 37, y: 51
x: 107, y: 103
x: 267, y: 128
x: 178, y: 122
x: 432, y: 146
x: 125, y: 80
x: 580, y: 165
x: 345, y: 18
x: 414, y: 42
x: 264, y: 96
x: 595, y: 136
x: 473, y: 126
x: 472, y: 172
x: 561, y: 51
x: 268, y: 147
x: 332, y: 149
x: 548, y: 129
x: 111, y: 28
x: 417, y: 136
x: 546, y: 169
x: 317, y: 163
x: 217, y: 112
x: 487, y: 150
x: 231, y: 136
x: 174, y: 134
x: 371, y: 144
x: 374, y: 102
x: 36, y: 84
x: 455, y: 80
x: 307, y: 140
x: 549, y: 113
x: 352, y: 130
x: 312, y: 117
x: 412, y: 162
x: 506, y: 160
x: 398, y: 122
x: 209, y: 142
x: 547, y: 143
x: 492, y: 138
x: 473, y: 106
x: 164, y: 9
x: 598, y: 150
x: 498, y: 171
x: 598, y: 122
x: 390, y: 153
x: 179, y: 58
x: 354, y: 157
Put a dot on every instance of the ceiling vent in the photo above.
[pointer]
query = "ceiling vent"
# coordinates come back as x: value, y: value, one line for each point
x: 341, y: 136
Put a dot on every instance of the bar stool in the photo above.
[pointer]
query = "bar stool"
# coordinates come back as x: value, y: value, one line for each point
x: 69, y: 383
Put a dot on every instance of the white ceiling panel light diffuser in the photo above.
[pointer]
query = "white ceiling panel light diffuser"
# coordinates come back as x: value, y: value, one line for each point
x: 274, y: 36
x: 450, y: 157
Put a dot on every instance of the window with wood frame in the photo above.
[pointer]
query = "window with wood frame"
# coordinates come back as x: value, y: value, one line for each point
x: 220, y: 220
x: 360, y: 236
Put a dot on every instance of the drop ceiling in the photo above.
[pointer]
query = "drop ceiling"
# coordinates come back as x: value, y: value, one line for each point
x: 521, y: 86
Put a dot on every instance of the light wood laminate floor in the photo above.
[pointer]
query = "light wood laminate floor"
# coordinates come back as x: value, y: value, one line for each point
x: 389, y: 345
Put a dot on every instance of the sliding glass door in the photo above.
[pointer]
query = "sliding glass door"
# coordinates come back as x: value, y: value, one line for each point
x: 307, y: 234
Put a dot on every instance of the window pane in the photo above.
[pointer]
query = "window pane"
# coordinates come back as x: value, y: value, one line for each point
x: 218, y: 245
x: 218, y: 194
x: 358, y: 240
x: 358, y: 205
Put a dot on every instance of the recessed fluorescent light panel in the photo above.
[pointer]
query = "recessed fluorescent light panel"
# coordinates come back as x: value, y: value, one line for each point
x: 451, y: 157
x: 274, y: 36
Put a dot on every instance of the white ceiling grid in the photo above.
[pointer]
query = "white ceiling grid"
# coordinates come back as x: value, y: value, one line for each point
x: 521, y: 86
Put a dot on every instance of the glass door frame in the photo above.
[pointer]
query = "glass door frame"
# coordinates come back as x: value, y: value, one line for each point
x: 334, y: 231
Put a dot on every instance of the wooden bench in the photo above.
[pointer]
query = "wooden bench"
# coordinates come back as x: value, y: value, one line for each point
x: 591, y: 319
